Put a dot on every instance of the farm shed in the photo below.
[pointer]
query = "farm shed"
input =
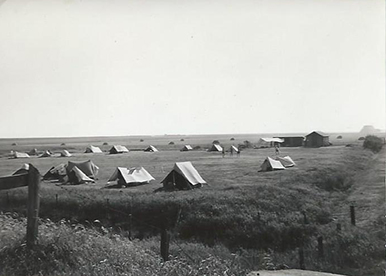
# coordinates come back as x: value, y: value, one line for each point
x: 183, y: 177
x: 118, y: 149
x: 270, y: 164
x: 317, y: 139
x: 187, y: 148
x: 131, y: 176
x: 216, y: 147
x: 92, y: 149
x: 292, y: 141
x: 151, y: 149
x: 269, y: 142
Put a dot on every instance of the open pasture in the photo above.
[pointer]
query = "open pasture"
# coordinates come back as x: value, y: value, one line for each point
x: 219, y: 172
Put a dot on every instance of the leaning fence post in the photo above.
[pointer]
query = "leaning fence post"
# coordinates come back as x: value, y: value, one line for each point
x: 352, y: 214
x: 165, y: 244
x: 33, y: 205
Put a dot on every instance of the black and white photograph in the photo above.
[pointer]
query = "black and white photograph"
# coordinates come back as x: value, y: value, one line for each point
x: 192, y: 137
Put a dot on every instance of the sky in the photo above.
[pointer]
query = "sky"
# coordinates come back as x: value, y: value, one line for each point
x: 148, y: 67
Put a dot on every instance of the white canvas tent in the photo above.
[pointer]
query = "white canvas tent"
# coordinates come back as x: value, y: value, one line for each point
x: 118, y: 149
x: 77, y: 176
x: 187, y: 148
x: 65, y: 153
x: 46, y: 153
x: 132, y: 176
x: 87, y: 167
x: 183, y: 177
x: 286, y: 161
x: 216, y: 147
x: 234, y: 149
x: 58, y: 172
x: 151, y: 149
x: 92, y: 149
x: 17, y: 154
x: 270, y: 164
x: 33, y: 152
x: 268, y: 142
x: 24, y: 169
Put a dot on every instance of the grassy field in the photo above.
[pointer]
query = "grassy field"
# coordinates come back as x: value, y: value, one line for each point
x: 242, y: 210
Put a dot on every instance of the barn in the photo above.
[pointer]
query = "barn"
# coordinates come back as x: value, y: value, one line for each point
x: 292, y: 141
x: 317, y: 139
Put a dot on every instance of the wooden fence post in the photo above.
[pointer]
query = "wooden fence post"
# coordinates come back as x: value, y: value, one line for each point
x: 301, y: 258
x: 33, y: 205
x: 165, y: 244
x: 352, y: 214
x: 320, y: 247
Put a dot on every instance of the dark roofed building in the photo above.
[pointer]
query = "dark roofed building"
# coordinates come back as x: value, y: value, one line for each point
x: 292, y: 141
x: 317, y: 139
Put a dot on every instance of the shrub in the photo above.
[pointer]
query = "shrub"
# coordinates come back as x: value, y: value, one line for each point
x: 171, y: 143
x: 105, y: 144
x: 141, y: 140
x: 247, y: 144
x: 339, y: 137
x: 182, y: 140
x: 14, y: 144
x: 361, y: 138
x: 63, y: 144
x: 232, y: 139
x: 373, y: 143
x: 216, y: 142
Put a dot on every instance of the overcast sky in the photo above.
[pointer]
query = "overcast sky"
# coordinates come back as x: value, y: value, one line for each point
x: 93, y: 67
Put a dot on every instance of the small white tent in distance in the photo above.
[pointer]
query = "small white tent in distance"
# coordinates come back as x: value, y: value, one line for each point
x: 92, y: 149
x: 151, y: 149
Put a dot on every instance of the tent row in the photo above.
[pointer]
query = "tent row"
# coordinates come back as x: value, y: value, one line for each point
x: 183, y: 176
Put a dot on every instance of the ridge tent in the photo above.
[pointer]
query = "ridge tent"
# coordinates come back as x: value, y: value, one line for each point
x: 269, y: 142
x: 33, y: 152
x: 131, y: 176
x: 92, y: 149
x: 183, y: 177
x: 23, y: 169
x: 151, y: 149
x: 118, y: 149
x: 17, y: 154
x: 58, y: 172
x: 87, y: 167
x: 65, y: 153
x: 286, y: 161
x: 234, y: 149
x: 76, y: 176
x: 216, y: 147
x: 187, y: 148
x: 45, y: 154
x: 270, y: 164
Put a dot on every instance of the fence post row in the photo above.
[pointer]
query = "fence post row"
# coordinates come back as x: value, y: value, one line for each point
x: 33, y: 205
